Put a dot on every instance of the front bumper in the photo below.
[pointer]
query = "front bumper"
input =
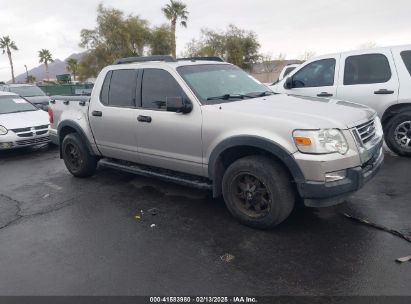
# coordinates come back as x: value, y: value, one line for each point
x: 322, y: 194
x: 54, y: 138
x: 12, y: 141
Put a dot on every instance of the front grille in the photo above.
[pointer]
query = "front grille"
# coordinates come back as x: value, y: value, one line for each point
x: 41, y: 127
x: 21, y: 130
x: 366, y: 131
x: 29, y: 132
x: 33, y: 141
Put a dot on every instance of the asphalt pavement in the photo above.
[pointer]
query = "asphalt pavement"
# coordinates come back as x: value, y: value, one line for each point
x: 120, y: 234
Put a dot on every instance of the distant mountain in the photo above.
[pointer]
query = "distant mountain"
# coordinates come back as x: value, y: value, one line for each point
x: 57, y: 67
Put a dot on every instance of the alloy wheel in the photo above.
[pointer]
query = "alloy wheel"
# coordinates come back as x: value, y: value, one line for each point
x: 402, y: 134
x: 251, y: 195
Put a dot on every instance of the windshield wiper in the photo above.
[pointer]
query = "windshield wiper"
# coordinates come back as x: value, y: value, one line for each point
x: 227, y: 96
x: 242, y: 96
x: 259, y: 94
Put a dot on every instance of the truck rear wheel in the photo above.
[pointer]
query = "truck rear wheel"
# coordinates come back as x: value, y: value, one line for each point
x: 398, y: 133
x: 76, y: 156
x: 258, y: 192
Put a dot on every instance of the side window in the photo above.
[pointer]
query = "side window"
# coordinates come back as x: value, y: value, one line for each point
x: 158, y: 85
x: 366, y: 69
x: 406, y: 57
x: 316, y: 74
x: 105, y: 89
x: 122, y: 90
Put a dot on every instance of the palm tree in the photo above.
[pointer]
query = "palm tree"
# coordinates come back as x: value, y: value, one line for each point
x: 72, y: 67
x: 6, y: 44
x: 30, y: 79
x: 175, y: 11
x: 46, y: 58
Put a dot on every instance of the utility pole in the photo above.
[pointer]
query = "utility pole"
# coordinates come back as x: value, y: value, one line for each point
x: 27, y: 74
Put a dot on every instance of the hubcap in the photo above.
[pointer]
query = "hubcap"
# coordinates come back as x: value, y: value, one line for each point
x: 73, y: 156
x: 403, y: 134
x: 251, y: 196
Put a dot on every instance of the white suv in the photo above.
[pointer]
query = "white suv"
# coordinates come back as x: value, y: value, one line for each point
x: 379, y: 78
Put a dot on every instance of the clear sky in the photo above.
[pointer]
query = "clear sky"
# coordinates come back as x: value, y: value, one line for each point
x: 286, y: 26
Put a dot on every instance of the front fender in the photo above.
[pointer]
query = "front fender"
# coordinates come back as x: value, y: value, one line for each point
x: 214, y: 165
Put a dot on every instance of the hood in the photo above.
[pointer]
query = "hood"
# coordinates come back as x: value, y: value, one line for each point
x: 38, y: 99
x: 24, y: 119
x: 310, y: 112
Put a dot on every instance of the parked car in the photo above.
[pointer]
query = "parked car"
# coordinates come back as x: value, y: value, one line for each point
x: 284, y: 72
x: 287, y: 70
x: 31, y: 92
x: 21, y: 123
x: 379, y: 78
x: 211, y: 125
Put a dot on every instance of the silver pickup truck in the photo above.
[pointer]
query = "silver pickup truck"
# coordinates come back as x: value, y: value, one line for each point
x: 206, y: 123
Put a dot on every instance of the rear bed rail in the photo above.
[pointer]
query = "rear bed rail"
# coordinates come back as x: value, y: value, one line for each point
x: 66, y: 99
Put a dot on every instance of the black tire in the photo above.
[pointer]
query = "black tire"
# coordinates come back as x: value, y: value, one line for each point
x: 77, y: 157
x: 258, y: 192
x: 397, y: 137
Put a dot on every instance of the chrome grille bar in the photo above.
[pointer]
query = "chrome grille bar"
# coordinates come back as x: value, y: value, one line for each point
x: 366, y: 131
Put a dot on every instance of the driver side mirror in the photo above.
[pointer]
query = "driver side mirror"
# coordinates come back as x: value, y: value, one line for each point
x: 288, y: 84
x: 178, y: 105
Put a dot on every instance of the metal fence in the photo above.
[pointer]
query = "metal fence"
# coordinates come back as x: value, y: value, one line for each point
x: 67, y: 89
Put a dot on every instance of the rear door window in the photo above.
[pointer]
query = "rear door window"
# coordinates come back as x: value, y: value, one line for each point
x: 406, y: 57
x: 366, y: 69
x: 319, y: 73
x: 122, y: 91
x: 119, y: 88
x: 105, y: 89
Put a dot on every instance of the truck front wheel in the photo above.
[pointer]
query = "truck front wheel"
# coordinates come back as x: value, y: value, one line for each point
x: 398, y: 133
x: 258, y: 192
x: 76, y: 156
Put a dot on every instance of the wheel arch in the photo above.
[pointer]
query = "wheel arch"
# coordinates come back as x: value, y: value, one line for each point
x: 234, y: 148
x: 68, y: 127
x: 393, y: 110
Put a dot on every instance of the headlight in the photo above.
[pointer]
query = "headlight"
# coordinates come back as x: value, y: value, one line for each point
x: 324, y: 141
x: 3, y: 130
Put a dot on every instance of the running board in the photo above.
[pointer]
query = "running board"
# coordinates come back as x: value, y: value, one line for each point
x: 163, y: 174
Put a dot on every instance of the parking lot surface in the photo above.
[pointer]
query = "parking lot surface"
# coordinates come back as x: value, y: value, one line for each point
x: 120, y: 234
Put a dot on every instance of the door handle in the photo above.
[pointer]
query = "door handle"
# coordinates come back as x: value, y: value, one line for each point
x: 324, y: 94
x: 146, y: 119
x: 384, y: 92
x: 97, y: 113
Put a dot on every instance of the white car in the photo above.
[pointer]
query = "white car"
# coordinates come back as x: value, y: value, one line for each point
x: 379, y: 78
x: 284, y: 72
x: 287, y: 70
x: 21, y: 123
x: 30, y: 92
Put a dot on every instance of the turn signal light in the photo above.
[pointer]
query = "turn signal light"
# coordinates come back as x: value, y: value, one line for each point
x: 302, y: 141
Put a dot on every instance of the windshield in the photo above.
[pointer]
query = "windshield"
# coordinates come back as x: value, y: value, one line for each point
x: 27, y: 91
x: 14, y: 104
x: 288, y: 71
x: 218, y: 83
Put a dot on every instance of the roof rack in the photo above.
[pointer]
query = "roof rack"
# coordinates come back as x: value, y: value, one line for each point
x: 165, y: 58
x: 211, y: 58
